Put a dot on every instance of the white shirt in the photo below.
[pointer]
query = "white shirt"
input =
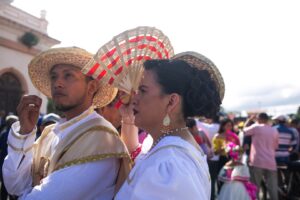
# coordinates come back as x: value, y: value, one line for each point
x: 211, y: 130
x: 94, y: 180
x: 173, y: 169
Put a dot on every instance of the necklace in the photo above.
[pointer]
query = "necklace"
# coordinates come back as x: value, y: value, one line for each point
x: 167, y: 133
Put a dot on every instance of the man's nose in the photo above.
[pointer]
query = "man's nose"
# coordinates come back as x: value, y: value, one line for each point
x: 58, y: 82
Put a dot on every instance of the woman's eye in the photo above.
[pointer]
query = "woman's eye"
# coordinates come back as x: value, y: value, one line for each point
x: 52, y: 77
x: 142, y: 91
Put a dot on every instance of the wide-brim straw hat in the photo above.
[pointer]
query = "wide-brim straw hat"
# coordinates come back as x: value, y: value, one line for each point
x: 203, y: 63
x: 40, y: 66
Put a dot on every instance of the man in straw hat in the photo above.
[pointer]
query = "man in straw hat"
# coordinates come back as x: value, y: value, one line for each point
x: 80, y: 156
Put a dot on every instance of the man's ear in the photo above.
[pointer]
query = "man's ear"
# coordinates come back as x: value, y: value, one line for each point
x: 93, y: 86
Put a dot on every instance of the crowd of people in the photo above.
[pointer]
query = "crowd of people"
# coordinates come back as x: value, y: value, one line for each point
x: 265, y: 145
x: 154, y: 146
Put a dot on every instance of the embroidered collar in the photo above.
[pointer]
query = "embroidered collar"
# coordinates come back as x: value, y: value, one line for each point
x: 65, y: 124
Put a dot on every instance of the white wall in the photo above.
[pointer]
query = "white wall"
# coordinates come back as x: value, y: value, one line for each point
x: 17, y: 63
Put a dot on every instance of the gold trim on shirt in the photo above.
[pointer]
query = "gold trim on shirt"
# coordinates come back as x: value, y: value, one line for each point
x: 21, y: 137
x: 19, y: 149
x: 95, y: 128
x: 92, y: 158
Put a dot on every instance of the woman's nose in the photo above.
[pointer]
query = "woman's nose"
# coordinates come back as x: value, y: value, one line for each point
x: 134, y: 98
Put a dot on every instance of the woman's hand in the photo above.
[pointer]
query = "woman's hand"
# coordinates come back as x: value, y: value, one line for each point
x: 126, y: 111
x: 129, y: 132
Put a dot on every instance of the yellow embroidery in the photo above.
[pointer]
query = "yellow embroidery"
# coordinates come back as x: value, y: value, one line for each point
x: 89, y: 131
x: 28, y: 149
x: 21, y: 137
x: 15, y: 148
x: 105, y: 129
x: 19, y: 149
x: 92, y: 158
x: 45, y: 132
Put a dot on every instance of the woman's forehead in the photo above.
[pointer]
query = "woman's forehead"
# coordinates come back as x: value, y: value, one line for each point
x: 148, y: 77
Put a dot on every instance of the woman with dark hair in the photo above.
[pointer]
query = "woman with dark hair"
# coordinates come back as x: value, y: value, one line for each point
x: 199, y: 135
x: 225, y: 135
x: 171, y: 91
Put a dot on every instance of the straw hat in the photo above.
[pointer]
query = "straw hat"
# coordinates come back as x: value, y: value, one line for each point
x: 39, y: 71
x: 201, y: 62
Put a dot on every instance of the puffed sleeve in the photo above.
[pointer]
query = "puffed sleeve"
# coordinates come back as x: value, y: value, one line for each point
x: 17, y: 165
x: 172, y: 178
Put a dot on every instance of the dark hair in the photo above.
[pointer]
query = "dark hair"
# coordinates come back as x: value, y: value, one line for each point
x: 88, y: 78
x: 223, y: 123
x: 197, y: 89
x: 295, y: 121
x: 190, y: 122
x: 263, y: 116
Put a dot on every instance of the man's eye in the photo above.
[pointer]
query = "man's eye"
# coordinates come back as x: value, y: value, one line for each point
x: 68, y: 75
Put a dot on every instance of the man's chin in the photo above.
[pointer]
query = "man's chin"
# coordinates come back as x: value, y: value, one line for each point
x: 64, y: 108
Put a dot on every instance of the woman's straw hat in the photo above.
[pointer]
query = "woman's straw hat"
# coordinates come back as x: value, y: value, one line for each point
x: 201, y: 62
x: 39, y: 71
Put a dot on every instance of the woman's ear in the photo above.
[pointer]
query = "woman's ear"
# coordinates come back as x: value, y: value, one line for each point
x: 174, y: 102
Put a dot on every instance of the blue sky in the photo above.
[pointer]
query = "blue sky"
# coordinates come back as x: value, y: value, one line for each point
x: 255, y: 44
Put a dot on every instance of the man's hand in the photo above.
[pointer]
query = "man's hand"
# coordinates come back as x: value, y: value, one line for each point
x: 28, y: 111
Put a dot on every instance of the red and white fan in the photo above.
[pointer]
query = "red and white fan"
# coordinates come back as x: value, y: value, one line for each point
x: 120, y: 61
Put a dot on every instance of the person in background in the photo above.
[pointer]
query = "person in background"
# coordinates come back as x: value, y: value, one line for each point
x: 220, y: 140
x: 211, y: 127
x: 262, y: 154
x: 9, y: 120
x: 247, y: 141
x: 2, y: 119
x: 49, y: 119
x: 111, y: 112
x: 295, y: 127
x: 287, y: 141
x: 236, y: 177
x: 199, y: 136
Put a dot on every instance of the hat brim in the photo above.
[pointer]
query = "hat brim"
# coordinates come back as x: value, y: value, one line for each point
x: 39, y: 71
x: 202, y: 63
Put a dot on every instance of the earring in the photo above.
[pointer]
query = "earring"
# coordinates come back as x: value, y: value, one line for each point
x: 166, y: 120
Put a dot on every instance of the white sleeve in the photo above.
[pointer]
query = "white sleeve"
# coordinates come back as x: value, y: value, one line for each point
x: 94, y: 180
x: 171, y: 180
x: 17, y: 165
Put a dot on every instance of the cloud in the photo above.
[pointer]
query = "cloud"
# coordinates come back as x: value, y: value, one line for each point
x: 264, y: 97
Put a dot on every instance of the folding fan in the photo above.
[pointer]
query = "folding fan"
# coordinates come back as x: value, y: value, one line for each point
x: 120, y: 61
